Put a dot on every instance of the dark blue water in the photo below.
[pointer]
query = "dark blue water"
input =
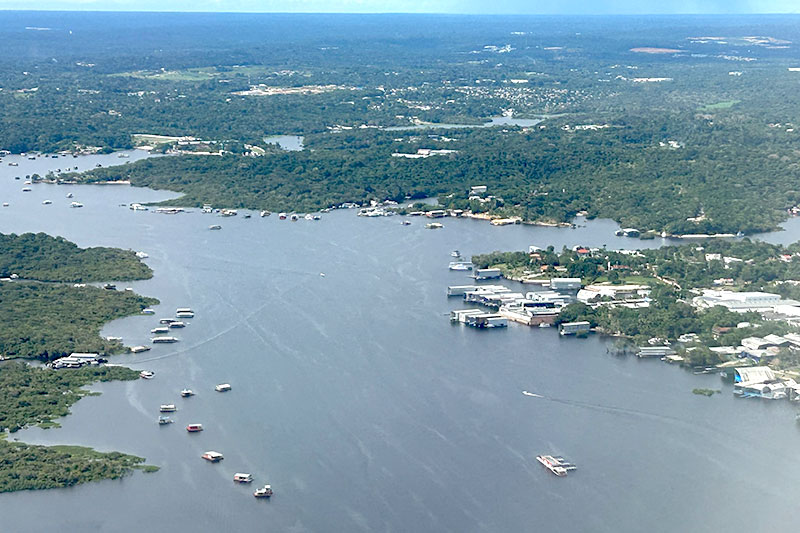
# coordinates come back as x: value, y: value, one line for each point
x: 361, y: 404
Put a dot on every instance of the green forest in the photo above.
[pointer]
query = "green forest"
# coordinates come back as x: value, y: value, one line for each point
x: 30, y: 396
x: 35, y: 395
x: 46, y: 321
x: 41, y: 257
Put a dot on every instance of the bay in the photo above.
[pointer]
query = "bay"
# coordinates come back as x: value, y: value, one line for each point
x: 361, y: 404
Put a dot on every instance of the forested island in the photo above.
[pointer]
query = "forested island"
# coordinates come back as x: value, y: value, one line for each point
x: 46, y: 314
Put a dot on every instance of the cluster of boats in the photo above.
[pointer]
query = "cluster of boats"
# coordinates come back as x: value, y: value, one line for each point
x: 459, y: 264
x: 233, y: 212
x: 169, y: 324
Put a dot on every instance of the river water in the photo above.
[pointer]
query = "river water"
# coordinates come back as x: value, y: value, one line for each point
x: 361, y: 404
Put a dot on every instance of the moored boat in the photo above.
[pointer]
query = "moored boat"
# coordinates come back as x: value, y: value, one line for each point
x: 194, y: 428
x: 148, y: 311
x: 139, y: 349
x: 147, y: 374
x: 184, y: 312
x: 159, y: 330
x: 163, y: 340
x: 265, y: 213
x: 263, y: 492
x: 167, y: 408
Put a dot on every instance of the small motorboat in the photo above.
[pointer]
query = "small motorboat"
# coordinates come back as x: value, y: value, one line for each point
x: 47, y: 202
x: 69, y: 195
x: 167, y: 408
x: 164, y: 420
x: 185, y: 393
x: 455, y: 253
x: 263, y: 492
x: 240, y: 477
x: 146, y: 374
x: 265, y: 213
x: 215, y: 226
x: 194, y: 428
x: 110, y: 287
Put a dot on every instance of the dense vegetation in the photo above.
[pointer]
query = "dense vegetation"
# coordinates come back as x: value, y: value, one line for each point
x: 703, y: 150
x: 47, y: 321
x: 739, y: 264
x: 29, y: 467
x: 41, y: 257
x: 32, y: 395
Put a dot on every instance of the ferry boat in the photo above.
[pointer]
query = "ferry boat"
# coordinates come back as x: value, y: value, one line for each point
x: 265, y: 213
x: 184, y: 312
x: 167, y: 408
x: 556, y: 464
x: 162, y: 329
x: 194, y: 428
x: 164, y: 420
x: 185, y: 393
x: 213, y: 457
x: 240, y: 477
x: 215, y: 226
x: 263, y: 492
x: 163, y: 340
x: 139, y: 349
x: 177, y: 324
x: 147, y: 374
x: 282, y: 216
x: 223, y: 387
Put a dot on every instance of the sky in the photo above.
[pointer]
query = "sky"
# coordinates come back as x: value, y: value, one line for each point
x: 630, y: 7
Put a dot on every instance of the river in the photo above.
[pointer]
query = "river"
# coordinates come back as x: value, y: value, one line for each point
x: 361, y: 404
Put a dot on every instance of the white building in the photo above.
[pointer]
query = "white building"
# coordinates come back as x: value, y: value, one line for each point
x: 738, y: 301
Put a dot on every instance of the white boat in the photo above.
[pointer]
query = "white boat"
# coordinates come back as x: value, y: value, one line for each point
x: 282, y: 216
x: 223, y: 387
x: 406, y: 222
x: 263, y: 492
x: 148, y: 311
x: 47, y: 202
x: 185, y: 393
x: 194, y: 428
x: 265, y: 213
x: 461, y: 265
x: 556, y: 464
x: 163, y: 340
x: 164, y: 420
x: 434, y: 225
x: 316, y: 217
x: 69, y: 195
x: 545, y: 325
x: 213, y: 457
x: 214, y: 227
x: 146, y: 374
x: 167, y: 321
x: 159, y: 330
x: 309, y: 217
x: 184, y: 312
x: 76, y: 204
x: 241, y: 477
x: 139, y: 349
x: 294, y: 218
x: 455, y: 253
x: 167, y: 408
x: 177, y: 324
x: 5, y: 204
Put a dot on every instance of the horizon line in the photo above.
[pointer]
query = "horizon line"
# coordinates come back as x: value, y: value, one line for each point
x: 518, y: 14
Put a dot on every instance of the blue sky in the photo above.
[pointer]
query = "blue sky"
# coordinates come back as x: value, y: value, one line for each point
x: 424, y: 6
